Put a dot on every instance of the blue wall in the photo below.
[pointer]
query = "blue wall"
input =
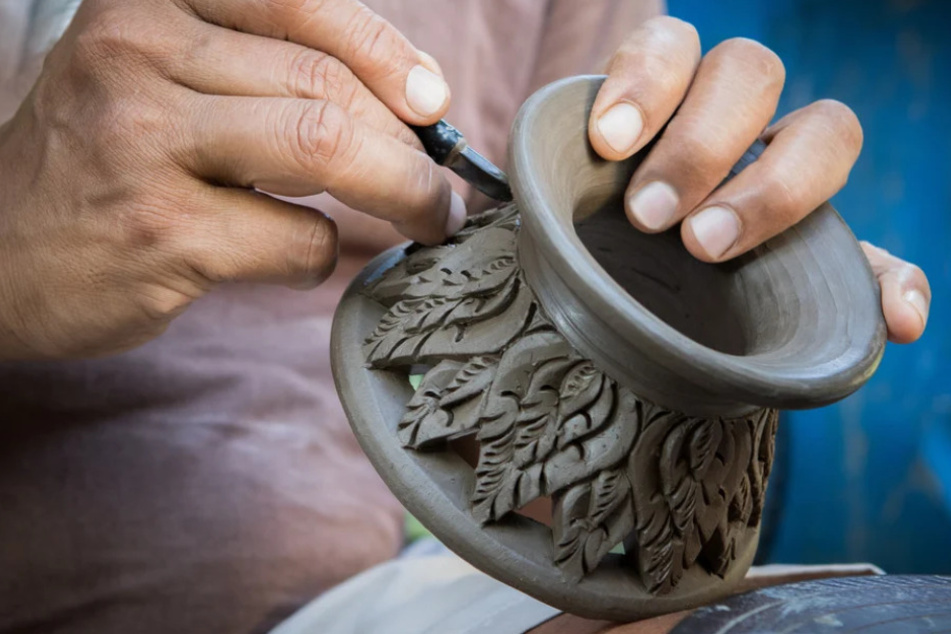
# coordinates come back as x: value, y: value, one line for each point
x: 869, y: 479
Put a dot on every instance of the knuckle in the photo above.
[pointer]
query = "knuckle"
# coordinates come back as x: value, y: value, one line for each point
x: 425, y: 192
x: 660, y: 50
x: 110, y: 32
x: 701, y: 160
x: 914, y: 277
x: 668, y: 26
x: 200, y: 45
x: 785, y: 202
x: 841, y: 121
x: 289, y: 9
x: 127, y: 122
x: 752, y: 56
x: 707, y: 155
x: 150, y: 224
x: 320, y: 76
x: 662, y: 74
x: 371, y: 37
x: 161, y: 304
x: 315, y: 256
x: 320, y: 134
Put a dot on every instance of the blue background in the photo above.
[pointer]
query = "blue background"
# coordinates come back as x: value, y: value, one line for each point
x: 869, y: 479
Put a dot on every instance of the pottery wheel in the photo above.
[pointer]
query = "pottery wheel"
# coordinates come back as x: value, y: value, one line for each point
x: 888, y: 603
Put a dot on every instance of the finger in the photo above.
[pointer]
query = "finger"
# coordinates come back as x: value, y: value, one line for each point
x: 732, y: 99
x: 808, y: 159
x: 224, y: 62
x: 296, y: 147
x: 384, y: 60
x: 251, y: 237
x: 647, y: 79
x: 906, y: 294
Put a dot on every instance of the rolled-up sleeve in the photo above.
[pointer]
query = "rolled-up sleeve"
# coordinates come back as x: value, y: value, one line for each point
x: 28, y: 30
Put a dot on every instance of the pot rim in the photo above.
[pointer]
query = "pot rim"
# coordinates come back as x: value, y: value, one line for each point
x: 552, y: 254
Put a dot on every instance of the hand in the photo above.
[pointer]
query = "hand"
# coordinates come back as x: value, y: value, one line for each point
x: 715, y: 108
x: 129, y: 174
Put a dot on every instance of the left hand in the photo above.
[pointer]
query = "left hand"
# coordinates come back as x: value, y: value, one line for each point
x: 714, y: 109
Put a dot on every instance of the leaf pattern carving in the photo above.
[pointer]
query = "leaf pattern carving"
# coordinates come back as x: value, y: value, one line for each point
x: 469, y: 301
x: 677, y: 491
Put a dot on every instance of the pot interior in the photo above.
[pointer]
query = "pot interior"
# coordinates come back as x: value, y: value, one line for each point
x: 711, y: 304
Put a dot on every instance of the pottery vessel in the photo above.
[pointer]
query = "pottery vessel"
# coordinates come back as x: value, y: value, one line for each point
x: 605, y: 369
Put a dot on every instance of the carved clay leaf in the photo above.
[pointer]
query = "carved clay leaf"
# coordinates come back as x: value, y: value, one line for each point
x: 538, y: 411
x: 614, y: 427
x: 497, y: 474
x: 719, y: 550
x: 726, y: 473
x: 441, y: 299
x: 479, y: 265
x: 424, y: 331
x: 589, y: 519
x: 580, y: 389
x: 429, y: 314
x: 471, y: 381
x: 594, y: 427
x: 389, y: 333
x: 741, y: 507
x: 483, y: 336
x: 494, y: 495
x: 438, y: 411
x: 686, y: 456
x: 391, y: 287
x: 655, y: 548
x: 703, y: 496
x: 758, y: 472
x: 480, y: 307
x: 502, y: 217
x: 424, y: 416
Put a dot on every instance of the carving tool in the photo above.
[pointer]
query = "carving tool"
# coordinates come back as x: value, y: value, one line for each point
x: 449, y: 148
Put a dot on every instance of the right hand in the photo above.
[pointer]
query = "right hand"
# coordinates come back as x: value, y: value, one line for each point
x: 129, y: 173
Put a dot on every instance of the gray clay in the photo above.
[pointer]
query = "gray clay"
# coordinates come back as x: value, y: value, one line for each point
x: 602, y: 368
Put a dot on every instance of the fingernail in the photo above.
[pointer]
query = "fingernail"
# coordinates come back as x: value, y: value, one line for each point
x: 917, y: 301
x: 654, y: 205
x: 716, y: 229
x: 426, y: 92
x: 621, y: 126
x: 457, y: 215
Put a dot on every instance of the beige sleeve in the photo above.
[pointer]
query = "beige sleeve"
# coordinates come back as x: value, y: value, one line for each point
x: 580, y: 37
x: 28, y: 30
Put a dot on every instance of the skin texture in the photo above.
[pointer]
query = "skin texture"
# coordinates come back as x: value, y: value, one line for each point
x: 708, y: 112
x: 131, y: 168
x: 132, y: 172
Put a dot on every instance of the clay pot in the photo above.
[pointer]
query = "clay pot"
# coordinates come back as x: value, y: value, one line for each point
x: 603, y: 368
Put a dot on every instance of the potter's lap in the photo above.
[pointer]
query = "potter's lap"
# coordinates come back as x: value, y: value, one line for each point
x: 200, y: 483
